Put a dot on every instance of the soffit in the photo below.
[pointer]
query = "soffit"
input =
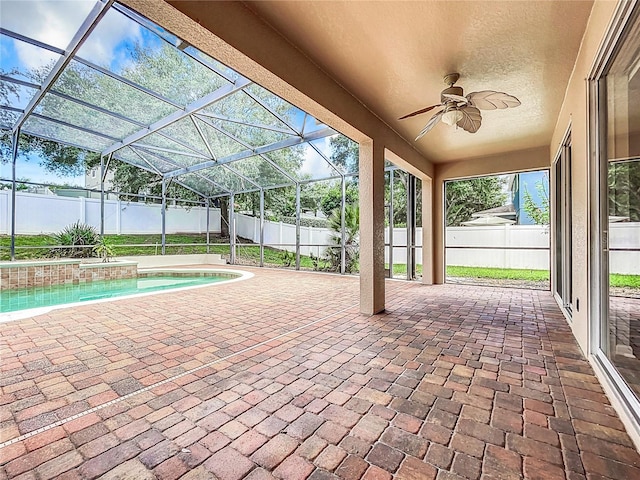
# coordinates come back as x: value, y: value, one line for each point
x: 392, y: 56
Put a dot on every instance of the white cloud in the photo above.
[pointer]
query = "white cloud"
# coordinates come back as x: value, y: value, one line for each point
x: 51, y: 22
x: 56, y: 22
x: 31, y: 57
x: 314, y: 164
x: 101, y: 46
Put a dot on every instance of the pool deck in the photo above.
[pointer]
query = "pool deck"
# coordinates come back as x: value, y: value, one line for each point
x: 280, y: 376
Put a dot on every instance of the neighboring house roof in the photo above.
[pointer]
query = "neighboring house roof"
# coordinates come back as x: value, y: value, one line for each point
x: 488, y: 220
x: 505, y: 211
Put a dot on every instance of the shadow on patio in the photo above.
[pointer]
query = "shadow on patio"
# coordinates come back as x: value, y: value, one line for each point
x: 280, y: 375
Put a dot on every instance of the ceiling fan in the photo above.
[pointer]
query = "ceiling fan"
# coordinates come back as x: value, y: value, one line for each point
x: 463, y: 111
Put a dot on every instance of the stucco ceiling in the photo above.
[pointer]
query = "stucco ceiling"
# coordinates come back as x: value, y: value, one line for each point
x: 392, y: 56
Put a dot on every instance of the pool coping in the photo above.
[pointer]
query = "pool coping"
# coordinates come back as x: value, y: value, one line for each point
x: 32, y: 312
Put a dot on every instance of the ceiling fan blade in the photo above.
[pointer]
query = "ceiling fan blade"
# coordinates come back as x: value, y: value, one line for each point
x: 430, y: 124
x: 457, y: 98
x: 418, y: 112
x: 490, y: 100
x: 471, y: 119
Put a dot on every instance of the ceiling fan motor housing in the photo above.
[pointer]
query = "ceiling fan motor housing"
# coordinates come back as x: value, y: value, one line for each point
x: 451, y: 91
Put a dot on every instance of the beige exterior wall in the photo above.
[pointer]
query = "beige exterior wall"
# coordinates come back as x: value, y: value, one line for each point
x: 574, y: 114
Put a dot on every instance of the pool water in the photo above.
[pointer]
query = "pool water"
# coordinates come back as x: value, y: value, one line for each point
x: 36, y: 297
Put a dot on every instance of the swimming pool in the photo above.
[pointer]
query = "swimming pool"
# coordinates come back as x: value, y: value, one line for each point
x: 147, y: 282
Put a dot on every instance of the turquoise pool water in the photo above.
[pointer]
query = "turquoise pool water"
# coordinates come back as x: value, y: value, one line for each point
x: 36, y: 297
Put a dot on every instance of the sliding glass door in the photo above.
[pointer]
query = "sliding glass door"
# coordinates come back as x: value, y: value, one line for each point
x: 562, y: 222
x: 616, y: 110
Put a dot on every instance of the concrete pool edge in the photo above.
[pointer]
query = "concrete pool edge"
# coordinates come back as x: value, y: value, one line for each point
x: 32, y: 312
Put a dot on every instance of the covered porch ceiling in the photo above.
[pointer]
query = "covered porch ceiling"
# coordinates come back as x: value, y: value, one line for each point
x: 392, y: 56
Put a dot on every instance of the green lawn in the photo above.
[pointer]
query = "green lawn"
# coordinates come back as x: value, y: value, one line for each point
x: 625, y: 281
x: 150, y: 245
x: 498, y: 273
x: 616, y: 280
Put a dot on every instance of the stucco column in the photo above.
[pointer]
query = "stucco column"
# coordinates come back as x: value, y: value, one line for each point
x: 371, y: 228
x: 427, y: 230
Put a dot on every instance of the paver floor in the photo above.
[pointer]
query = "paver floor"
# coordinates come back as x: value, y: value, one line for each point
x: 280, y: 376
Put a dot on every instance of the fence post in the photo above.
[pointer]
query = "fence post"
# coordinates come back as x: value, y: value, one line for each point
x: 83, y: 212
x: 232, y: 229
x: 207, y: 213
x: 297, y: 226
x: 119, y: 216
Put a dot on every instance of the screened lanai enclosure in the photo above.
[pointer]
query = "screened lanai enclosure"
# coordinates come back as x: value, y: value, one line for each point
x: 150, y: 100
x: 99, y: 79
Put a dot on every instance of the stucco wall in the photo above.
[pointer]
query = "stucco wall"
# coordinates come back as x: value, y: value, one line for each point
x: 574, y: 114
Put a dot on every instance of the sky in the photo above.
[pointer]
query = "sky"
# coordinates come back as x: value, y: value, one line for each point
x: 55, y: 23
x: 28, y: 168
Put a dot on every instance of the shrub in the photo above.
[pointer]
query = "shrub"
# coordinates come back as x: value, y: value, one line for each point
x: 77, y: 241
x: 307, y: 222
x: 103, y: 249
x: 352, y: 246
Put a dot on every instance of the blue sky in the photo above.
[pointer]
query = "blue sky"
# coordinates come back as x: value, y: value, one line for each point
x: 28, y: 168
x: 110, y: 44
x: 54, y: 23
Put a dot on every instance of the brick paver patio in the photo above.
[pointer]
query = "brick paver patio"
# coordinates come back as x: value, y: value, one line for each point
x: 280, y: 376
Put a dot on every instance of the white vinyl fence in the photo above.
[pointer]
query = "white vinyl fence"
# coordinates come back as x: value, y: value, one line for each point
x: 510, y: 246
x: 523, y: 243
x: 283, y: 235
x: 624, y: 235
x: 51, y: 213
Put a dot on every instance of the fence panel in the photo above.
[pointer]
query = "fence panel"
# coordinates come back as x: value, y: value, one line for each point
x: 37, y: 214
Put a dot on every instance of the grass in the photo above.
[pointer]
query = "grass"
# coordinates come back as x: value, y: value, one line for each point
x: 498, y: 273
x: 624, y: 281
x: 615, y: 279
x: 153, y: 245
x: 150, y: 245
x: 401, y: 269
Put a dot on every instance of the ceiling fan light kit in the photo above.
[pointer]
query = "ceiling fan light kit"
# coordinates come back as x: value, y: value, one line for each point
x: 452, y: 115
x: 461, y: 111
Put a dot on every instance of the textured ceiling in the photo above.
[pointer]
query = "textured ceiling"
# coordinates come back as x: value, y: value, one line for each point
x: 392, y: 56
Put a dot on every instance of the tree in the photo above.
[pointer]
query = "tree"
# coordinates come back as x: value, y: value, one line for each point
x: 344, y: 153
x: 539, y: 213
x: 174, y: 75
x: 332, y: 199
x: 20, y: 185
x: 400, y: 179
x: 465, y: 197
x: 624, y: 190
x: 352, y: 230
